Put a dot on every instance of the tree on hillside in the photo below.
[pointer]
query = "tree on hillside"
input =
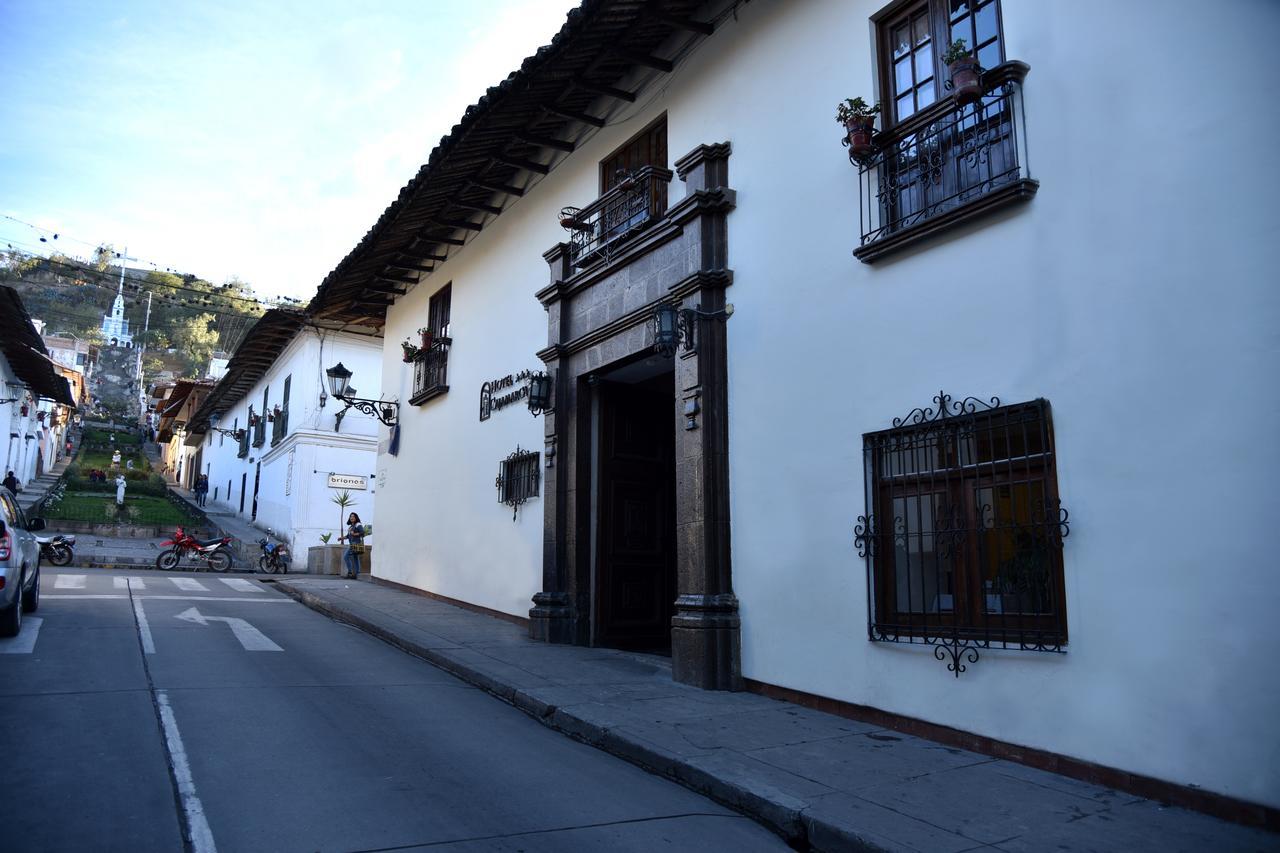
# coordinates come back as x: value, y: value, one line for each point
x: 196, y: 342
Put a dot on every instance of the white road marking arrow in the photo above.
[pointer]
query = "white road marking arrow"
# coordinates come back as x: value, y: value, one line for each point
x: 250, y: 637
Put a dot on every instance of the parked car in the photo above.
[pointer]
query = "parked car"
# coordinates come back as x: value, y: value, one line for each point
x: 19, y: 564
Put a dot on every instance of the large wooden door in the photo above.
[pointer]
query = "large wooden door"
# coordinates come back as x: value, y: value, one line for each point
x: 636, y: 574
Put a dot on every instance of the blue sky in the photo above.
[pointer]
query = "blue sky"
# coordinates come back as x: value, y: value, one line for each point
x: 237, y: 138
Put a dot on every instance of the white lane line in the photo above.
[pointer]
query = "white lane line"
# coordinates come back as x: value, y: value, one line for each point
x: 189, y: 584
x: 242, y: 585
x: 144, y: 630
x: 124, y: 583
x: 201, y: 835
x: 99, y: 597
x: 69, y: 582
x: 25, y: 642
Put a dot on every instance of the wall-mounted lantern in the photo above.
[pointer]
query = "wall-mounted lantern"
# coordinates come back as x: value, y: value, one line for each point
x: 234, y: 434
x: 539, y: 393
x: 674, y: 326
x: 339, y: 386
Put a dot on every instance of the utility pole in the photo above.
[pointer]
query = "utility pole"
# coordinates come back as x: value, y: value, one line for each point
x: 142, y: 348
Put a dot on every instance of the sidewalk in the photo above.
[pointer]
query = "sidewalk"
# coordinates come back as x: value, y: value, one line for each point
x: 817, y: 779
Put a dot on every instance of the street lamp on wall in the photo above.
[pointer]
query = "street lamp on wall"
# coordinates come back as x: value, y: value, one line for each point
x: 234, y: 434
x: 539, y: 393
x: 674, y: 326
x: 340, y: 389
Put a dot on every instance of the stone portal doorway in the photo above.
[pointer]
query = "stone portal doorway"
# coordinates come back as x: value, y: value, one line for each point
x: 635, y: 486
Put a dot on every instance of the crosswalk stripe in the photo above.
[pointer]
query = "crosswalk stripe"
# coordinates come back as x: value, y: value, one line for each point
x: 69, y: 582
x: 241, y: 585
x: 123, y: 583
x: 189, y: 584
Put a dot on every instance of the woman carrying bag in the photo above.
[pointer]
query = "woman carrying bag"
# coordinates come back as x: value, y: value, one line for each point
x: 355, y: 546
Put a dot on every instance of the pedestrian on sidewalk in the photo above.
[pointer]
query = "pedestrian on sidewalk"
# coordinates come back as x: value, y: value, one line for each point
x: 202, y: 489
x: 11, y: 483
x: 355, y: 546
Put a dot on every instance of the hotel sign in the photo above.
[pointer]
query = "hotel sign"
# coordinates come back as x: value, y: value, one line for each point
x: 494, y: 394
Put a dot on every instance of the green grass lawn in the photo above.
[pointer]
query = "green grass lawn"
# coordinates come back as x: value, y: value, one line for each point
x: 101, y: 509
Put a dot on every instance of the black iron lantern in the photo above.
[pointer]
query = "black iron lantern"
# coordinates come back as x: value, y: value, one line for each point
x: 666, y: 330
x: 338, y: 378
x: 539, y: 393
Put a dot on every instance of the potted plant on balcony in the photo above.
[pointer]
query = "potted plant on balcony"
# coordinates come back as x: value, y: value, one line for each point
x: 571, y: 219
x: 410, y: 351
x: 857, y: 117
x: 425, y: 334
x: 966, y: 73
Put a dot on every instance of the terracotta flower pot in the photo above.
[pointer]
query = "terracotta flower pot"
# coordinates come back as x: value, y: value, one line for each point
x: 426, y: 340
x: 859, y: 137
x: 966, y: 80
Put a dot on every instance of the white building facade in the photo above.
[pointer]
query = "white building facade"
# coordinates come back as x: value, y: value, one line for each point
x: 926, y: 463
x: 266, y: 435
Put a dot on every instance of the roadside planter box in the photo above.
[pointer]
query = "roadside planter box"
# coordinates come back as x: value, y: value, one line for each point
x: 327, y: 559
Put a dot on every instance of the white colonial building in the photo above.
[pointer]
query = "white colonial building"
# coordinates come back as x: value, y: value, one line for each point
x: 268, y: 438
x: 895, y: 423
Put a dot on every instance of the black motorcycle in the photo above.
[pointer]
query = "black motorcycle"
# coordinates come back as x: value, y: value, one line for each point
x: 275, y: 558
x: 57, y: 549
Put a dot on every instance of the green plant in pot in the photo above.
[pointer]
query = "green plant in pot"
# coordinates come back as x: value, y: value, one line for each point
x: 858, y: 119
x: 966, y: 73
x: 410, y: 351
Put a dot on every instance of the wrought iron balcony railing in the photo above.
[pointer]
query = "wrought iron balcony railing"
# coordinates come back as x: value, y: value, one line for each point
x: 431, y: 371
x: 243, y: 450
x: 260, y: 432
x: 598, y: 230
x: 279, y: 426
x: 944, y: 165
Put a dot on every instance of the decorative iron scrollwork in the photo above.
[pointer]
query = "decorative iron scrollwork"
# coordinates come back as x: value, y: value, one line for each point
x: 945, y: 409
x: 864, y: 535
x: 958, y: 650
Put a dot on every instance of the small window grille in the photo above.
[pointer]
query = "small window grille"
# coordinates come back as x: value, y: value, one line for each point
x: 517, y: 481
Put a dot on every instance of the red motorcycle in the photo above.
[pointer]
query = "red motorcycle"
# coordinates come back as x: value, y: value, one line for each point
x: 215, y: 553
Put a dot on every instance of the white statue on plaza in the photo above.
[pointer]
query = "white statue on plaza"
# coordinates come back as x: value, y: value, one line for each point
x: 120, y: 484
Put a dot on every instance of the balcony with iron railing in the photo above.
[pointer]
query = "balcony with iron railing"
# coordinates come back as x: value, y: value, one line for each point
x: 243, y: 450
x: 279, y: 426
x: 599, y: 230
x: 260, y: 432
x: 431, y: 371
x: 944, y: 165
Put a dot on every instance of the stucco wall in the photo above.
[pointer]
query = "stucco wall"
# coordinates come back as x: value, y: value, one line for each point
x: 1133, y: 293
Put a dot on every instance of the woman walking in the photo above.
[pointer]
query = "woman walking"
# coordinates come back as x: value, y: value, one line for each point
x: 355, y: 546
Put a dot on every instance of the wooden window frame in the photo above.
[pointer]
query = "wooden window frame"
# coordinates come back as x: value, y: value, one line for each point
x: 959, y: 484
x: 940, y: 32
x: 608, y: 170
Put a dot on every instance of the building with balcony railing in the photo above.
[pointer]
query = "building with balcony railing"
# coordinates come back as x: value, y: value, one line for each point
x: 914, y: 468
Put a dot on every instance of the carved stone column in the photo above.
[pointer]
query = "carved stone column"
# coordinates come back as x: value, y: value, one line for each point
x: 553, y: 617
x: 705, y: 632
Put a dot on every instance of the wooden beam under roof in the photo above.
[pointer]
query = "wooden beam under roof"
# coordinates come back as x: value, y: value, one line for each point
x: 405, y: 265
x: 546, y: 142
x: 527, y: 165
x: 447, y: 241
x: 655, y: 62
x: 574, y: 115
x: 407, y: 279
x: 475, y: 205
x: 421, y: 256
x: 497, y: 188
x: 705, y: 28
x: 608, y: 91
x: 464, y: 224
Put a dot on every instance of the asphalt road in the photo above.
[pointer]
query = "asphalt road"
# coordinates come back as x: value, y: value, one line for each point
x: 213, y: 713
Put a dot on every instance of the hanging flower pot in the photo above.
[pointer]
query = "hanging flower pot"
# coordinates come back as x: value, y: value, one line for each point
x: 966, y: 73
x: 570, y: 218
x: 425, y: 333
x: 409, y: 351
x: 858, y: 119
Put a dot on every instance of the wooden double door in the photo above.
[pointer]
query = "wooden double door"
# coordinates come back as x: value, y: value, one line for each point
x: 636, y: 521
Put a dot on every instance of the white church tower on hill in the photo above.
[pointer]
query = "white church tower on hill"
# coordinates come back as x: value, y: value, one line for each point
x: 115, y: 328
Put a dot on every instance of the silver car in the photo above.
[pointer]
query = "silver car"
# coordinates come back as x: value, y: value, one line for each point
x: 19, y: 564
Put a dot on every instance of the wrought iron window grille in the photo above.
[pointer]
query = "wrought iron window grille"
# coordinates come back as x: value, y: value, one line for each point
x: 518, y: 479
x: 599, y: 230
x: 243, y: 450
x: 964, y: 530
x: 944, y: 164
x: 430, y: 371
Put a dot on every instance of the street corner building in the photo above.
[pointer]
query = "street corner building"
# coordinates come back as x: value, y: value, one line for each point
x: 38, y: 395
x: 268, y: 436
x: 945, y: 418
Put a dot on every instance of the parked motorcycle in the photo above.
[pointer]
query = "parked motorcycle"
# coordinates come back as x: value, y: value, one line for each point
x: 214, y: 553
x: 275, y: 558
x: 57, y: 549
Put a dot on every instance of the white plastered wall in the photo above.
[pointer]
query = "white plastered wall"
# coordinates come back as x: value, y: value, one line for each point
x: 1133, y: 293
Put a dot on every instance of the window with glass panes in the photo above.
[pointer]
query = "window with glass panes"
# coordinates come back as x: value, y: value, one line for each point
x: 914, y: 36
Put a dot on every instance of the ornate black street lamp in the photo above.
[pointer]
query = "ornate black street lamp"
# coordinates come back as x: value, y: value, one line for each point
x: 234, y: 434
x: 340, y: 389
x: 539, y: 393
x: 674, y: 326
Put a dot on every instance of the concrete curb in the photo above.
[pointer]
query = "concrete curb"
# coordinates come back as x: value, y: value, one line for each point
x: 783, y: 814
